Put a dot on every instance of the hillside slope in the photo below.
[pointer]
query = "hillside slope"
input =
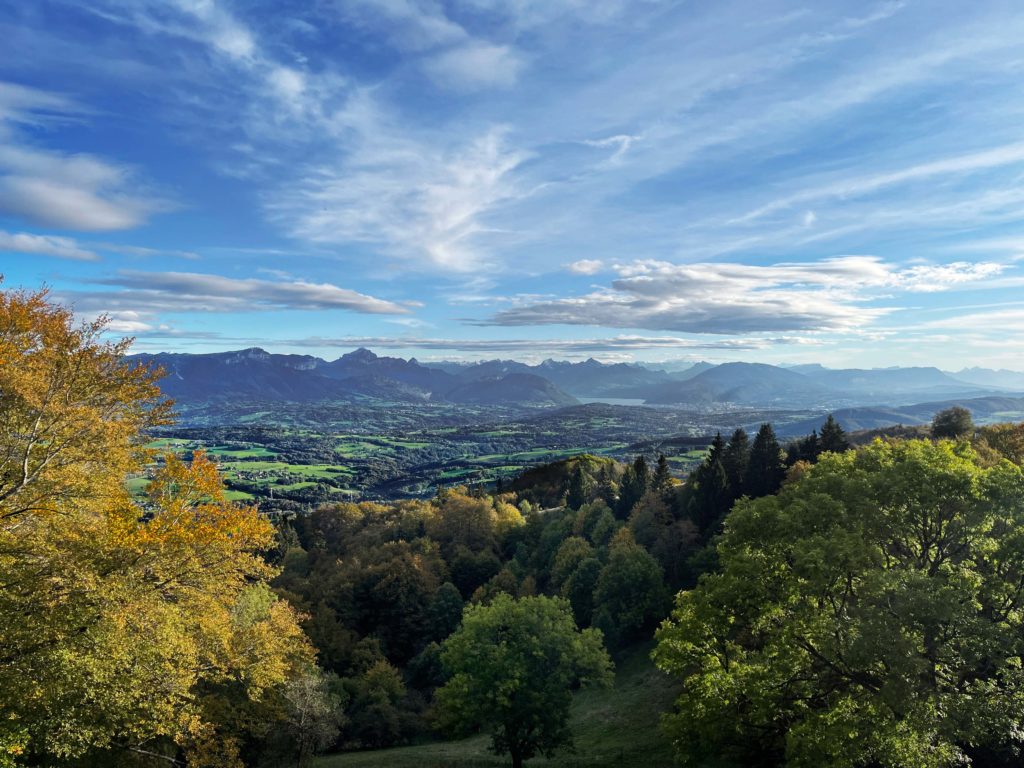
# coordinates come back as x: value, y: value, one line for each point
x: 986, y: 410
x: 614, y: 727
x: 511, y: 389
x: 740, y: 383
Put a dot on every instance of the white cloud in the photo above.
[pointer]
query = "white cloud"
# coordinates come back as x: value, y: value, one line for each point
x: 585, y: 266
x: 193, y: 292
x: 136, y: 250
x: 547, y: 346
x: 1009, y: 154
x: 475, y: 65
x: 128, y: 322
x: 411, y: 25
x: 450, y: 55
x: 525, y: 15
x: 341, y: 169
x: 44, y: 245
x: 1000, y: 324
x: 831, y: 294
x: 202, y: 21
x: 932, y: 278
x: 622, y: 142
x: 414, y: 200
x: 71, y: 191
x: 289, y: 83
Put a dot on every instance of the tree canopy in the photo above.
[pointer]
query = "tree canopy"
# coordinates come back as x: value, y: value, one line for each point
x: 513, y: 665
x: 870, y: 614
x: 952, y: 423
x: 123, y: 627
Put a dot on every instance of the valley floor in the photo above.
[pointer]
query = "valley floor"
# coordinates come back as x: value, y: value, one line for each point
x: 614, y: 727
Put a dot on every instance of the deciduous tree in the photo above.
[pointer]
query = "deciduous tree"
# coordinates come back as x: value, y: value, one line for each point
x: 952, y: 423
x: 119, y: 623
x: 513, y: 666
x: 870, y: 614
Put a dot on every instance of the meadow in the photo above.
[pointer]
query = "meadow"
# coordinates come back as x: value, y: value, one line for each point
x: 612, y: 727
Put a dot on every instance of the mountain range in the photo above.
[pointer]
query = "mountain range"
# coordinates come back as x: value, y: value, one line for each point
x: 257, y: 375
x: 984, y: 409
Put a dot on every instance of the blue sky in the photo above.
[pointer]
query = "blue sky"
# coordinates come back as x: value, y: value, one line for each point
x: 837, y: 182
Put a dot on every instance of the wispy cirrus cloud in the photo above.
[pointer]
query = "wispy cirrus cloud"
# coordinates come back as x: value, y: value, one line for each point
x: 476, y: 65
x: 339, y: 164
x: 207, y: 22
x: 959, y: 164
x: 407, y: 198
x: 447, y: 52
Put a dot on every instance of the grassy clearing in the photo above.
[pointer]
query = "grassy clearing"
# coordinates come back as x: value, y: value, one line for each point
x: 616, y: 727
x: 137, y: 485
x: 223, y: 452
x: 367, y: 446
x: 171, y: 444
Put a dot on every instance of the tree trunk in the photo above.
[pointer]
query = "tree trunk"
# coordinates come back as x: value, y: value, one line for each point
x: 517, y: 759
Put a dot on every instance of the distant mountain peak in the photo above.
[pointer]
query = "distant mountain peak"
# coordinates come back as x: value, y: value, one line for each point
x: 360, y: 355
x: 251, y: 353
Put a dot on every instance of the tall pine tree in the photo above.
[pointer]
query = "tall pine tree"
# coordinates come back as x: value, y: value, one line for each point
x: 709, y: 497
x: 806, y: 449
x: 635, y: 482
x: 766, y: 469
x: 832, y: 438
x: 580, y: 487
x: 735, y: 459
x: 662, y: 477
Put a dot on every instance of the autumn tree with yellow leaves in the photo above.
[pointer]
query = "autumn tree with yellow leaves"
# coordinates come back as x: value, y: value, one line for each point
x: 125, y: 628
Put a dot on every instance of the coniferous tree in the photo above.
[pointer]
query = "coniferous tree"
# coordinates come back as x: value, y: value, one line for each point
x: 807, y: 449
x: 606, y: 488
x: 580, y: 486
x: 832, y: 438
x: 643, y: 473
x: 766, y: 469
x: 710, y: 498
x: 662, y: 477
x: 717, y: 449
x: 628, y: 495
x: 635, y: 481
x: 735, y: 459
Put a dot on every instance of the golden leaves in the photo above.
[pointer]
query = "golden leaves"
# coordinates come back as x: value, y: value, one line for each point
x: 112, y: 616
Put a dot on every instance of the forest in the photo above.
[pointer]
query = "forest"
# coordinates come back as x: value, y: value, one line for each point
x: 811, y: 603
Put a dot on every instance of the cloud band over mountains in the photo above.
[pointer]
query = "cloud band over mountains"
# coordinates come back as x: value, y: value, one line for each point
x: 192, y: 292
x: 828, y: 295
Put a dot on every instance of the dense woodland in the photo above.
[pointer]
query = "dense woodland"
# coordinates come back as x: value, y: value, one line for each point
x: 819, y: 604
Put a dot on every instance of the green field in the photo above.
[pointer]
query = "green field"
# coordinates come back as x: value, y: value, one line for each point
x: 615, y: 727
x: 295, y: 456
x: 222, y: 452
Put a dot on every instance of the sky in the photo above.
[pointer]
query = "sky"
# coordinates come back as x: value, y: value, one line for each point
x: 762, y: 180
